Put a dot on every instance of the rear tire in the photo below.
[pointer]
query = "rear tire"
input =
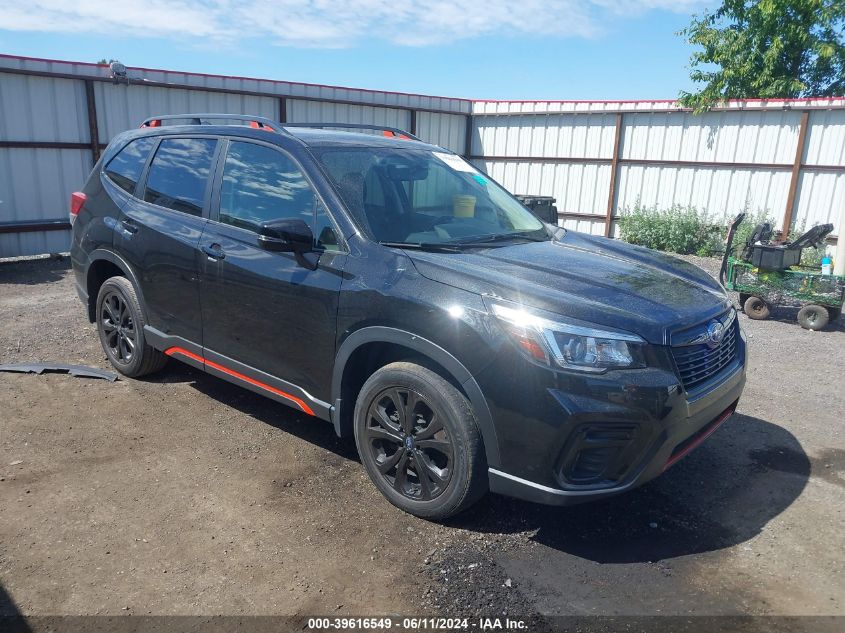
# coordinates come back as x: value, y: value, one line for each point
x: 419, y: 441
x: 813, y: 317
x: 755, y: 308
x: 120, y: 323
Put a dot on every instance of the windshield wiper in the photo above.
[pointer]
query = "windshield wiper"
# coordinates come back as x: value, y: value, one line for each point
x: 500, y: 237
x: 434, y: 247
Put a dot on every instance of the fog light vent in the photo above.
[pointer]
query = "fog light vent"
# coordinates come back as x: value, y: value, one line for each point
x: 591, y: 463
x: 596, y: 454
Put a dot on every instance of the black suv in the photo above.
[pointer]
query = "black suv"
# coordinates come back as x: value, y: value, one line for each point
x: 387, y: 286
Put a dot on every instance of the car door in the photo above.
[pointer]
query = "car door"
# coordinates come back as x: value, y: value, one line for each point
x: 269, y: 315
x: 160, y: 229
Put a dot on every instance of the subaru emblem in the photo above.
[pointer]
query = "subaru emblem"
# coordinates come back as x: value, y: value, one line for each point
x: 715, y: 334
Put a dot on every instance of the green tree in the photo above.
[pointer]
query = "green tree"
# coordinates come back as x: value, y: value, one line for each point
x: 767, y: 49
x: 106, y: 62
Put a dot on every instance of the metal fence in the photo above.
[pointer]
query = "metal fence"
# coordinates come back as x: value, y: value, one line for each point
x: 785, y: 158
x: 596, y: 158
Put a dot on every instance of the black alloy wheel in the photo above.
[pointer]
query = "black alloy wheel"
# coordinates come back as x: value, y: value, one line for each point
x: 120, y: 324
x: 409, y: 444
x: 119, y: 328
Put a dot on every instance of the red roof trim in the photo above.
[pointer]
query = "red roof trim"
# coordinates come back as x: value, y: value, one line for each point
x: 621, y: 101
x: 406, y: 94
x: 272, y: 81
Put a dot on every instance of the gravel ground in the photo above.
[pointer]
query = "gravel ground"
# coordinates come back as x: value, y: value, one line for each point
x: 182, y: 494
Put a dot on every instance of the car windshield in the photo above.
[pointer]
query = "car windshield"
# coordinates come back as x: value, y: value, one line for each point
x: 422, y: 197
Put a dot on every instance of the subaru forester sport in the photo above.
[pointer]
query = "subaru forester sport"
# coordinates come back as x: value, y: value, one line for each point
x: 389, y: 287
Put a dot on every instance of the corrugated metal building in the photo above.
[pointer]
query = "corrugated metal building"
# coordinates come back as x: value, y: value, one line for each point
x: 596, y: 158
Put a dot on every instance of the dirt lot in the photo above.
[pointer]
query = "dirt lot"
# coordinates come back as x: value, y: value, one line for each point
x: 182, y: 494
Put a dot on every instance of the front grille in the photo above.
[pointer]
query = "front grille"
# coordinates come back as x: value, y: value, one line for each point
x: 698, y: 363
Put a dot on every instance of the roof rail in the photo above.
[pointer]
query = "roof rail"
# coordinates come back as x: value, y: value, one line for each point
x: 258, y: 122
x: 391, y: 132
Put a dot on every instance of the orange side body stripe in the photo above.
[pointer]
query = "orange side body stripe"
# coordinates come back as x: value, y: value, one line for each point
x: 179, y: 350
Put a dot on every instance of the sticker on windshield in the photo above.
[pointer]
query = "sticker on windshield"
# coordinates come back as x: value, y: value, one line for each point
x: 455, y: 162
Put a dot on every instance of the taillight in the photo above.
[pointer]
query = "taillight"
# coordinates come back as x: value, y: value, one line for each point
x: 77, y: 199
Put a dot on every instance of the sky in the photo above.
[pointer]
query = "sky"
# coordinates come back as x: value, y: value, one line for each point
x: 495, y: 49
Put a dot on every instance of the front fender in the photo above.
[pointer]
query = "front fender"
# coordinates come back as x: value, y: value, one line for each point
x: 384, y: 334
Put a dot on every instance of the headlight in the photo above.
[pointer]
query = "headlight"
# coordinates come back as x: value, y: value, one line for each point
x: 566, y: 344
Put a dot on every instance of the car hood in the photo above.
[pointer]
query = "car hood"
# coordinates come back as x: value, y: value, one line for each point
x: 595, y: 279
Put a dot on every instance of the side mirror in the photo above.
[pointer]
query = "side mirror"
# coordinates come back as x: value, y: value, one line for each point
x: 286, y: 236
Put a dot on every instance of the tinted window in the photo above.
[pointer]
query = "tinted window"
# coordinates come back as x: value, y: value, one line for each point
x: 261, y: 184
x: 420, y: 196
x: 126, y: 167
x: 325, y: 232
x: 179, y: 172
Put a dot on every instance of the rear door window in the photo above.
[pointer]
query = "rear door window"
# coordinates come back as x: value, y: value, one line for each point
x: 125, y: 168
x: 179, y: 174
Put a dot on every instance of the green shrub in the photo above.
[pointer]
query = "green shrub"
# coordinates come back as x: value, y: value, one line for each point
x: 687, y: 230
x: 812, y: 257
x: 678, y: 229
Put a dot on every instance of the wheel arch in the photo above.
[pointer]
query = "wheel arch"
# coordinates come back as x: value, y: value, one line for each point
x: 401, y: 345
x: 102, y: 264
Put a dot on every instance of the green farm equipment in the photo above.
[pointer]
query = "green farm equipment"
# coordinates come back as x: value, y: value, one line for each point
x: 768, y: 275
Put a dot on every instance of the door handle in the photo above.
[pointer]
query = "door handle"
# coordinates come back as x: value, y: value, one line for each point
x: 214, y: 251
x: 129, y: 226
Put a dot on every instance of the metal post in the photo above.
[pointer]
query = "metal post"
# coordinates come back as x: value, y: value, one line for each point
x: 413, y: 129
x: 839, y: 256
x: 468, y: 138
x: 614, y: 167
x: 796, y: 172
x: 283, y: 110
x: 93, y: 131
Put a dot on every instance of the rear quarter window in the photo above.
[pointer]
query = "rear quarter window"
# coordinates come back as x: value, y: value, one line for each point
x: 125, y: 168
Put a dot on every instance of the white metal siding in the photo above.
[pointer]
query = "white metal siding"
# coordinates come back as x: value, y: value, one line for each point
x: 724, y: 137
x: 43, y: 109
x: 570, y: 136
x: 820, y: 198
x: 721, y: 193
x: 757, y: 147
x: 445, y: 130
x: 301, y: 111
x: 577, y: 188
x: 121, y: 107
x: 35, y: 184
x: 825, y: 144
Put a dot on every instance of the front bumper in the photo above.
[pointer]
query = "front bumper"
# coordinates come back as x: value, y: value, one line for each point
x: 631, y: 426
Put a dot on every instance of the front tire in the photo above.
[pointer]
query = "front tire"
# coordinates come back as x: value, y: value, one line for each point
x: 419, y: 441
x: 120, y: 323
x: 755, y: 308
